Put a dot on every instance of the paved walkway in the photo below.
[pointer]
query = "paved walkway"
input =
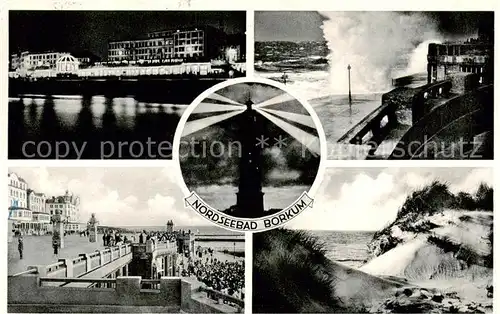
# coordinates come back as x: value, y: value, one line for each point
x: 38, y: 251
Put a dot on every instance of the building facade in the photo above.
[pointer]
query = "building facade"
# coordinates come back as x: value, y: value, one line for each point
x: 169, y: 46
x: 40, y: 222
x: 473, y: 56
x: 30, y: 212
x: 69, y: 206
x: 31, y: 61
x: 19, y: 214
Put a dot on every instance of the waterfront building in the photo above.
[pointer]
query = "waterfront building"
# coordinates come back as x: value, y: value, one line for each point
x: 19, y: 214
x: 67, y: 64
x: 169, y: 46
x: 40, y: 222
x: 69, y: 205
x: 31, y: 61
x: 472, y: 56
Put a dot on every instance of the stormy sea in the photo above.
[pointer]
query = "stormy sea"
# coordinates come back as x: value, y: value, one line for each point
x: 312, y: 73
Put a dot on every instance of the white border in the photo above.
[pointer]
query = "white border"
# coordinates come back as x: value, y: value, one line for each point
x: 258, y: 5
x: 319, y: 128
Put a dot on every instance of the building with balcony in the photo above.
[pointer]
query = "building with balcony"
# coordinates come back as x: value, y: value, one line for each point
x: 69, y: 206
x: 170, y: 46
x: 17, y: 191
x: 20, y: 216
x: 30, y: 212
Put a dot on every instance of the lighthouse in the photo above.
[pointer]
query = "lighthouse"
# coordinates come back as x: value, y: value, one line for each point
x: 250, y: 198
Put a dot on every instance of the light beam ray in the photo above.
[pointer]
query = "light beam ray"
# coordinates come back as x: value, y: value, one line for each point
x: 196, y: 125
x: 308, y: 140
x: 206, y: 107
x: 295, y: 117
x: 218, y: 97
x: 275, y: 100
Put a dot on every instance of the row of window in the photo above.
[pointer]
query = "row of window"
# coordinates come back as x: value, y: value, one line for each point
x: 44, y: 56
x: 191, y: 37
x: 34, y: 199
x: 21, y: 214
x: 140, y: 44
x: 18, y: 184
x: 458, y: 50
x: 141, y: 51
x: 16, y: 193
x: 160, y: 34
x: 61, y: 206
x: 180, y: 55
x: 188, y: 34
x: 189, y: 41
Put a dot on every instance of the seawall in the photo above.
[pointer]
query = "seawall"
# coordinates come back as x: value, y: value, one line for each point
x: 182, y: 90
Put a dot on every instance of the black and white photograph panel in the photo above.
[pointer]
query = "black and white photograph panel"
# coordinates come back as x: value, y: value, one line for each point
x: 250, y: 149
x: 115, y: 240
x: 113, y: 84
x: 383, y: 240
x: 387, y: 85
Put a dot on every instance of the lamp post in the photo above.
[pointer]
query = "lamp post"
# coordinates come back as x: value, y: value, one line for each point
x: 349, y: 78
x: 234, y: 250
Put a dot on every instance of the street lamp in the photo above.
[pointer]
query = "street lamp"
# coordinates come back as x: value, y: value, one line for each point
x: 349, y: 78
x: 234, y: 250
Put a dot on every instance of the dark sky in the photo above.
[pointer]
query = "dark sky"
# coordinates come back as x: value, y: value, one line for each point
x: 305, y: 25
x: 90, y: 30
x: 288, y: 25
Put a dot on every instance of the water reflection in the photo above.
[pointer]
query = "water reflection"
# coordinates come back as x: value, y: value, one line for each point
x: 90, y: 121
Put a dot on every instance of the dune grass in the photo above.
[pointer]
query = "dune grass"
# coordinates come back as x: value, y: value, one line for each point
x: 428, y: 200
x: 289, y: 274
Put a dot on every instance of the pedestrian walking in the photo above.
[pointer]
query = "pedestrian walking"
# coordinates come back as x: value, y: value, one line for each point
x: 55, y: 246
x: 20, y: 246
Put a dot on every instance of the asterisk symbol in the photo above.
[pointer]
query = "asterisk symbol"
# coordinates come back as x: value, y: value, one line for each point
x: 262, y: 141
x: 280, y: 141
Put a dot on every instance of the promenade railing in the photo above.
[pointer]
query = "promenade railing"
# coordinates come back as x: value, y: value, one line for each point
x: 81, y: 265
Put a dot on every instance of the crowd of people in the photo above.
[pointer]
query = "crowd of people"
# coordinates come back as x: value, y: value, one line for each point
x: 227, y: 277
x: 110, y: 239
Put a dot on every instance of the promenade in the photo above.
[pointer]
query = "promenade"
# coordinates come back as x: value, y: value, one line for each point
x: 38, y: 251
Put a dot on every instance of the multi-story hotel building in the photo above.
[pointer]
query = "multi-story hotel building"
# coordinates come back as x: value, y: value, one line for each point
x: 40, y: 222
x: 69, y: 206
x: 19, y: 213
x: 197, y: 43
x: 30, y: 212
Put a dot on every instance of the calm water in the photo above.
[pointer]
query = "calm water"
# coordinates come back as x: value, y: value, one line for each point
x: 85, y: 123
x: 349, y: 248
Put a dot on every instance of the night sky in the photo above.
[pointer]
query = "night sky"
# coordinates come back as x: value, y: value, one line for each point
x: 71, y: 31
x: 306, y: 25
